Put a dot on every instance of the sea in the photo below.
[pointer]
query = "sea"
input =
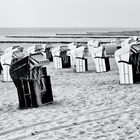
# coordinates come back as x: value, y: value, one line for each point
x: 54, y: 31
x: 4, y: 32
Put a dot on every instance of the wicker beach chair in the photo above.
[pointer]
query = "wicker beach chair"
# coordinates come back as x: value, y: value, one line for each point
x: 128, y: 61
x: 80, y: 63
x: 30, y: 77
x: 60, y: 57
x: 98, y: 54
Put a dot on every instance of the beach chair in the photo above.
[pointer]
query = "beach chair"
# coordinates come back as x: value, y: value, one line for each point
x: 60, y: 57
x: 128, y: 70
x: 71, y: 46
x: 80, y: 63
x: 125, y: 68
x: 31, y: 80
x: 101, y: 61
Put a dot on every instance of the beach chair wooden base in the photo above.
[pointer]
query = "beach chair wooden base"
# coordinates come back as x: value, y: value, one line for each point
x: 66, y: 63
x: 31, y: 94
x: 57, y: 62
x: 80, y: 65
x: 102, y: 64
x: 125, y: 72
x: 72, y: 61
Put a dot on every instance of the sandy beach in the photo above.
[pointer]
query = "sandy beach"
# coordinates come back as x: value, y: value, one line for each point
x: 89, y: 105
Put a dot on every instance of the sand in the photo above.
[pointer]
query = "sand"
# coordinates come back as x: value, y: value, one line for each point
x: 87, y: 106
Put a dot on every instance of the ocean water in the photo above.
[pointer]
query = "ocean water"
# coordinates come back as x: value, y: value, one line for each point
x: 48, y: 32
x: 54, y: 31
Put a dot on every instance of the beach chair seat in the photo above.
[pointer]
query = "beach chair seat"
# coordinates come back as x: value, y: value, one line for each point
x: 102, y: 64
x: 125, y: 72
x: 80, y: 64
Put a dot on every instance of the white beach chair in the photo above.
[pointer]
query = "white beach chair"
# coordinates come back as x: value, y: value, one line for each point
x: 56, y: 58
x: 126, y: 70
x: 98, y: 54
x: 71, y: 46
x: 60, y: 57
x: 80, y: 62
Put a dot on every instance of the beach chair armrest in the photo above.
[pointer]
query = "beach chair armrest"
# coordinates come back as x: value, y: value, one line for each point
x: 100, y: 57
x: 6, y: 64
x: 122, y: 61
x: 80, y: 58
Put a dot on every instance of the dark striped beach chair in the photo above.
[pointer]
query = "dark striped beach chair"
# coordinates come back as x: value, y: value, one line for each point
x: 31, y: 80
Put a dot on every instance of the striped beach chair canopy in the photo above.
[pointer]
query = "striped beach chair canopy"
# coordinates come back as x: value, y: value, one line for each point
x: 135, y: 48
x: 18, y: 53
x: 38, y: 59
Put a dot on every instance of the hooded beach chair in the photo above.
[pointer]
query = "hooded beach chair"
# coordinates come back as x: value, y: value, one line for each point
x: 6, y: 60
x: 29, y: 75
x: 60, y: 57
x: 80, y: 63
x: 98, y: 54
x: 127, y: 68
x: 71, y: 46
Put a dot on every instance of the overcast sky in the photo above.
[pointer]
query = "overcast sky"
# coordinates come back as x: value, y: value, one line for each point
x: 69, y: 13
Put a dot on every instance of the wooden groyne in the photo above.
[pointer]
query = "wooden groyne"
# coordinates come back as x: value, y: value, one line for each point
x: 67, y: 36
